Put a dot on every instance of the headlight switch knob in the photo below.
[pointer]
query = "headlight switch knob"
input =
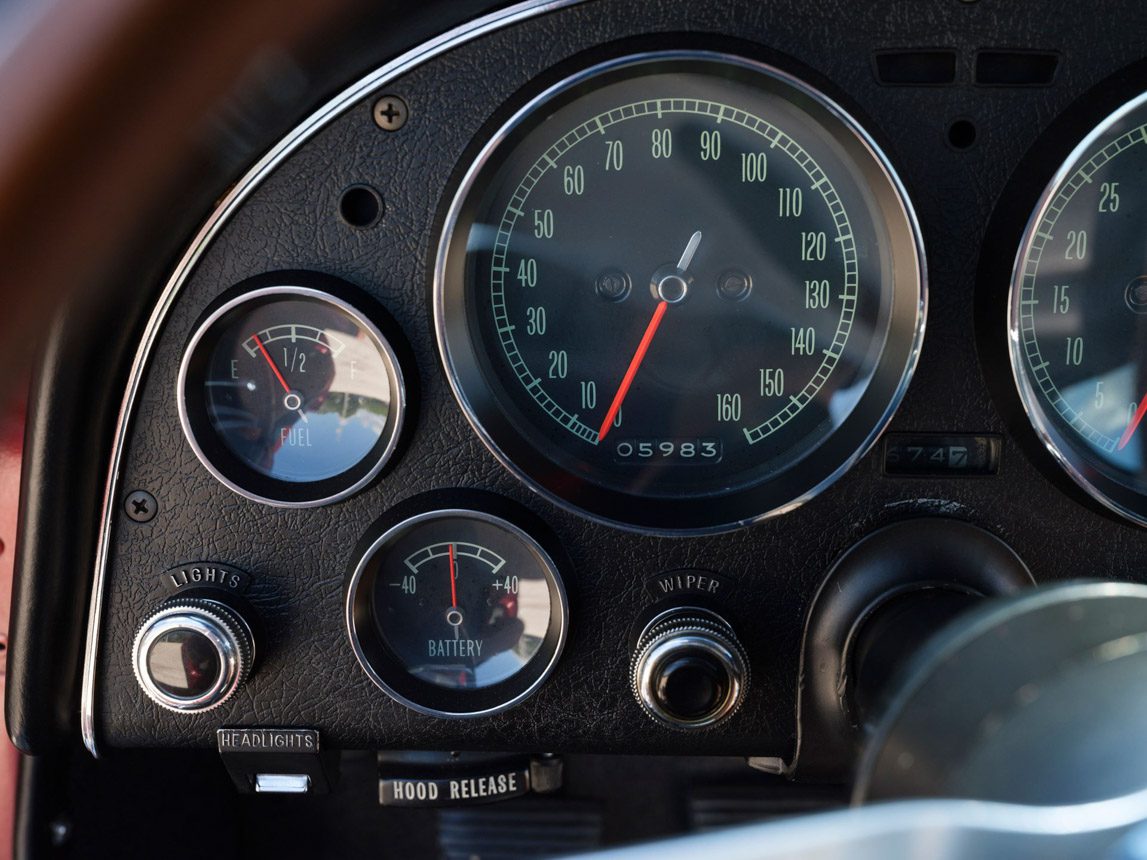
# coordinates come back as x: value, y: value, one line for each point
x: 192, y: 654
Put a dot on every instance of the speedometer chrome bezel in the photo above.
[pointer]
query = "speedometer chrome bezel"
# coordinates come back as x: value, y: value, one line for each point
x: 765, y: 497
x: 1110, y: 493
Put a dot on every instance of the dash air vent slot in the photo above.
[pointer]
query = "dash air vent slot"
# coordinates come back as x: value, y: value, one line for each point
x: 1015, y: 68
x: 927, y: 68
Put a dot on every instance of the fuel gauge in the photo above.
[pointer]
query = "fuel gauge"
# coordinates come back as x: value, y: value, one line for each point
x: 456, y: 612
x: 290, y: 395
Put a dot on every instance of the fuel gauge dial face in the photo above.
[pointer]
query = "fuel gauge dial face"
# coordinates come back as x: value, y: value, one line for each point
x: 456, y: 613
x: 291, y: 396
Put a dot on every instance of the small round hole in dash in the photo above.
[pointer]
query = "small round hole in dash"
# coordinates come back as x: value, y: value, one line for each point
x: 360, y: 206
x: 962, y: 134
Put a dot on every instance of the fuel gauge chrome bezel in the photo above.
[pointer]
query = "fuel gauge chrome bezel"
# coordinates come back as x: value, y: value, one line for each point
x: 203, y: 437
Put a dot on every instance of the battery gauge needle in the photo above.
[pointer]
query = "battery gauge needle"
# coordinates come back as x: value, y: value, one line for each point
x: 454, y: 615
x: 283, y: 382
x: 453, y: 579
x: 1133, y: 425
x: 671, y: 289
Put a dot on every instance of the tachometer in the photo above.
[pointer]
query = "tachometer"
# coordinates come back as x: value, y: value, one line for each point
x: 678, y: 277
x: 1078, y: 313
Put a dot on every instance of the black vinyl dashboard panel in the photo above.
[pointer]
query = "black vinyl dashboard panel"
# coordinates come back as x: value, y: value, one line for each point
x: 967, y: 109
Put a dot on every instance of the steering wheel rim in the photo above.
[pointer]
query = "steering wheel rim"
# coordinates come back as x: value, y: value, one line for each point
x: 105, y: 105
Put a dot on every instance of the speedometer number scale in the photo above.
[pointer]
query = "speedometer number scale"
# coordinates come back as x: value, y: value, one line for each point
x: 687, y: 294
x: 676, y: 277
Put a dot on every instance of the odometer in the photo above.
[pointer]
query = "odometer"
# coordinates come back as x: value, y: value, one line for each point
x: 1078, y: 313
x: 675, y: 277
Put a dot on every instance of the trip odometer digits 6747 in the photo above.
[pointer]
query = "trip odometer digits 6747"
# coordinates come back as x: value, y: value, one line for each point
x: 679, y: 276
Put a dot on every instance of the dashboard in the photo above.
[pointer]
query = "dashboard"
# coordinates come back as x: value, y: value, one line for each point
x: 584, y: 379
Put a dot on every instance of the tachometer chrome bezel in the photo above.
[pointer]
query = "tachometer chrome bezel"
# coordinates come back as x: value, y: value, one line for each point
x: 1095, y: 482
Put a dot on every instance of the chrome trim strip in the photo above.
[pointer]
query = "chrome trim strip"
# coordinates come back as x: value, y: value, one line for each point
x: 226, y: 207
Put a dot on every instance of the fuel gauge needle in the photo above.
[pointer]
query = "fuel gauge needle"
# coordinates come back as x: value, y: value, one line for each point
x: 1133, y: 425
x: 283, y: 382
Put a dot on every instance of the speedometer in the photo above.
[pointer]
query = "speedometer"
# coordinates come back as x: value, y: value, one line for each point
x: 677, y: 277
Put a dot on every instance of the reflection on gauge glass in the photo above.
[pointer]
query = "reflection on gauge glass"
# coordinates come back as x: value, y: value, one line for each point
x: 1078, y: 313
x: 679, y: 291
x: 456, y: 612
x: 290, y: 395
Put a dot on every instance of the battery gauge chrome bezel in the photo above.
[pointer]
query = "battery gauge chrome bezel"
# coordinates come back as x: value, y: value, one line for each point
x: 222, y: 463
x: 387, y: 671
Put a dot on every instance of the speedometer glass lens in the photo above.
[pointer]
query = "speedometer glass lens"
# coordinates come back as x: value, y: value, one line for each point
x: 1078, y: 313
x: 676, y: 277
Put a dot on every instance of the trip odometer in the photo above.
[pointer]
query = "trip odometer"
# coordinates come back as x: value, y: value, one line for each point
x: 679, y: 276
x: 1078, y: 313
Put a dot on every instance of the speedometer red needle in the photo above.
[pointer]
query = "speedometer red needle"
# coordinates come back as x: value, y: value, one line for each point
x: 271, y: 362
x: 634, y: 364
x: 1134, y: 425
x: 453, y: 579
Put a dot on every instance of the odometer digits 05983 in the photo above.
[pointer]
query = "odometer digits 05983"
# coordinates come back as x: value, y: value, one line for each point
x: 1078, y: 313
x: 679, y: 276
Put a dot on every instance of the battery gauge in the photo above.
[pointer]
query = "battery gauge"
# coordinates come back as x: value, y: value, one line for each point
x: 456, y: 612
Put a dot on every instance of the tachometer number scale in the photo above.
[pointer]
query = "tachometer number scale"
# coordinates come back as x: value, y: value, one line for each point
x: 1078, y: 321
